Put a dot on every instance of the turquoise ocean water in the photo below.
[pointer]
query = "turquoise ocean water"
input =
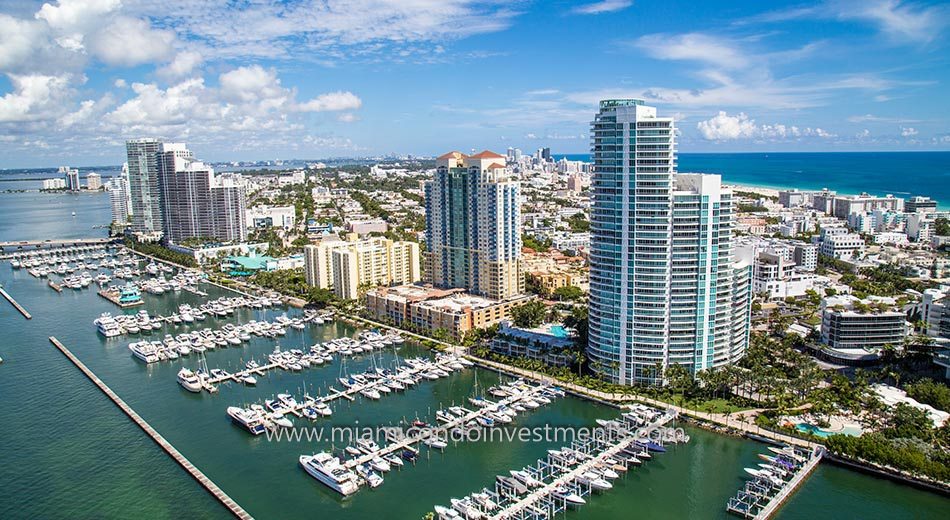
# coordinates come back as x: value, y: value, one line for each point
x: 902, y: 174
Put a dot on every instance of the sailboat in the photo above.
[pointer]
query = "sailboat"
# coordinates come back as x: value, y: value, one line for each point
x: 477, y: 399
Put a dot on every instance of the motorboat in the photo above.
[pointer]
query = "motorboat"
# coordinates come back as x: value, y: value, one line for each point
x: 107, y: 326
x: 372, y: 479
x: 329, y: 471
x: 145, y: 351
x: 525, y: 478
x: 189, y: 380
x: 565, y: 494
x: 250, y: 420
x: 594, y: 480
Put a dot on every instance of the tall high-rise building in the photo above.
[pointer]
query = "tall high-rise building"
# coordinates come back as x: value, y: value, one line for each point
x: 194, y: 202
x: 666, y: 286
x: 71, y: 176
x: 473, y: 226
x: 119, y: 198
x: 144, y: 163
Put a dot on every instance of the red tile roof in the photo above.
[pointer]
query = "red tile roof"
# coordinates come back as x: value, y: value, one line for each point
x: 485, y: 154
x: 452, y: 155
x: 495, y: 166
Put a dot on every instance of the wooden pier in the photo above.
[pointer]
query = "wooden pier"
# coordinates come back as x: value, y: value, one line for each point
x: 16, y: 305
x: 192, y: 470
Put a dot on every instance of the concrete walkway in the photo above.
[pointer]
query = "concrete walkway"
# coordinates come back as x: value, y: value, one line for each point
x: 731, y: 421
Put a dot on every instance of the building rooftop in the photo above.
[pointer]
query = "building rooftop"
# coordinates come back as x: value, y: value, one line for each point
x: 487, y: 154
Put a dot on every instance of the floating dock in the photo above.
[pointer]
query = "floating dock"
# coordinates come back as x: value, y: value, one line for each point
x: 18, y: 307
x: 113, y: 297
x: 760, y: 498
x: 207, y: 483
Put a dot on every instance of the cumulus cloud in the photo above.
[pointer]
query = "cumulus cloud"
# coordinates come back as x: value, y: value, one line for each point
x: 724, y: 127
x: 183, y: 64
x: 34, y: 97
x: 908, y: 131
x: 604, y: 6
x: 246, y: 99
x: 130, y: 41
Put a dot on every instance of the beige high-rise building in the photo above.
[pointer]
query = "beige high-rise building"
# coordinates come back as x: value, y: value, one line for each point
x: 347, y: 265
x: 473, y: 226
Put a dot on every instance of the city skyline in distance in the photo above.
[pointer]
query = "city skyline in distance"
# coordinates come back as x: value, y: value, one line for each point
x: 311, y: 81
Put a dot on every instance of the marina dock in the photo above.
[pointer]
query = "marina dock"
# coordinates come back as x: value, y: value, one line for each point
x: 761, y: 497
x: 528, y: 506
x: 192, y: 470
x: 16, y: 305
x: 438, y: 431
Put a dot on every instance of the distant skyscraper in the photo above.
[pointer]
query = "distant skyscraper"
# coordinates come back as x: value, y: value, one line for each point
x: 119, y: 198
x: 93, y: 181
x: 71, y: 176
x: 473, y: 226
x: 194, y: 202
x: 144, y: 162
x: 546, y: 154
x: 665, y: 284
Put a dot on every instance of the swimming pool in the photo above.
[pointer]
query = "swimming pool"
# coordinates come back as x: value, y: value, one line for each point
x: 853, y: 431
x: 559, y: 331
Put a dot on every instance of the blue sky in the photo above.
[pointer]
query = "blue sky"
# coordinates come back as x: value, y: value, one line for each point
x: 317, y: 78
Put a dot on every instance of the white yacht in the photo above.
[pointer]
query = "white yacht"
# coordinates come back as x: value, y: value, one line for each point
x: 251, y: 420
x: 330, y: 471
x: 189, y: 380
x: 107, y: 326
x: 144, y: 351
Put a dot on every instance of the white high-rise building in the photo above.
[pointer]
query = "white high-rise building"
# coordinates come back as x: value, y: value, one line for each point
x: 119, y: 198
x: 195, y: 203
x: 666, y: 285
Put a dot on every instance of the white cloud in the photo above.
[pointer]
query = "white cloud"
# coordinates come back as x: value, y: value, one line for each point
x: 693, y: 47
x: 130, y: 41
x: 120, y: 83
x: 332, y: 101
x: 17, y: 40
x: 184, y: 63
x: 34, y: 97
x: 245, y: 84
x: 326, y: 29
x: 900, y: 20
x: 77, y: 16
x: 908, y: 131
x: 604, y: 6
x: 347, y: 117
x: 724, y: 127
